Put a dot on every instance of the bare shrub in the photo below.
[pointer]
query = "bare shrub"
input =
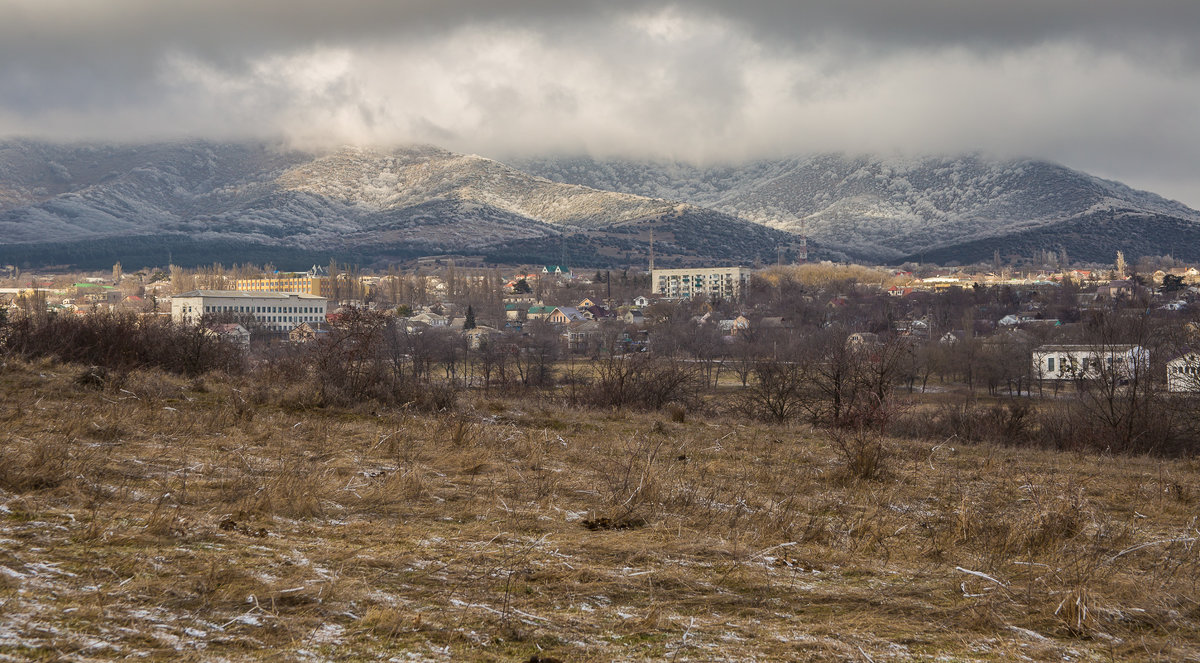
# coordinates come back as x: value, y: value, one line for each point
x: 369, y: 358
x: 863, y: 452
x: 1011, y: 422
x: 121, y: 342
x: 641, y: 382
x: 777, y: 390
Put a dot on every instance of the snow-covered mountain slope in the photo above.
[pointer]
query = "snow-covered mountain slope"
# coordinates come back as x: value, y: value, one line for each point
x: 891, y: 209
x: 61, y: 203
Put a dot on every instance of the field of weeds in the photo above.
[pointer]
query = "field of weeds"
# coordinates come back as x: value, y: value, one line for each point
x: 187, y: 519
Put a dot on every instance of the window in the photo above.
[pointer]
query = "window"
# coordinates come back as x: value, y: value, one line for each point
x: 1050, y: 364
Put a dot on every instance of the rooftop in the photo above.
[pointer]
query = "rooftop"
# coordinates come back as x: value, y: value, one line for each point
x: 248, y: 294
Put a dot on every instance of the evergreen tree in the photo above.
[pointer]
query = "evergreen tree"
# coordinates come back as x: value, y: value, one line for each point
x: 470, y: 322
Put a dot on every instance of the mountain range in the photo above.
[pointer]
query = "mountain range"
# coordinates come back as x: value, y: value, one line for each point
x: 890, y: 210
x: 195, y: 202
x: 199, y: 202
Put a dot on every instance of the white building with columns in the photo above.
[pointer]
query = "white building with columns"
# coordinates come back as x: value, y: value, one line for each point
x: 277, y: 311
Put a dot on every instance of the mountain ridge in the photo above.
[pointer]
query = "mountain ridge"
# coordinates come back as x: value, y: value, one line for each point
x: 84, y: 204
x: 880, y: 208
x: 360, y: 204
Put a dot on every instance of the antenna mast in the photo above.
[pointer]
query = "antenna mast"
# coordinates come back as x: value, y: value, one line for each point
x: 651, y: 249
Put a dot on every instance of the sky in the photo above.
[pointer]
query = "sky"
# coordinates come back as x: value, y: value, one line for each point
x: 1111, y: 87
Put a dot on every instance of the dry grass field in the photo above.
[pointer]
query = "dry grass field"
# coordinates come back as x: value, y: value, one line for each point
x: 190, y: 520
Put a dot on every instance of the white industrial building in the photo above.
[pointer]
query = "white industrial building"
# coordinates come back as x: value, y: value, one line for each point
x: 723, y: 282
x: 1071, y: 362
x: 277, y: 311
x: 1183, y: 374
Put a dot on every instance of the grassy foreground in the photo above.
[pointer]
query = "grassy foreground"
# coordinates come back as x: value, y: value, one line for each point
x: 171, y: 519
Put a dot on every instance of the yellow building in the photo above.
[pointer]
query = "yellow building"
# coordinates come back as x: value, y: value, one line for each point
x: 298, y: 282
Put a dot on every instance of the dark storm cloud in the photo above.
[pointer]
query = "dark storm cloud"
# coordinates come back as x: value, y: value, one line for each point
x: 1104, y: 85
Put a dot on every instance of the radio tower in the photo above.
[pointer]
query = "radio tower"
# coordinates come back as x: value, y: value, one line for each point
x: 651, y: 251
x: 803, y: 257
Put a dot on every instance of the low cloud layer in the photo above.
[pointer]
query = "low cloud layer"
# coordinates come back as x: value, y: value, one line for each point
x: 1100, y: 85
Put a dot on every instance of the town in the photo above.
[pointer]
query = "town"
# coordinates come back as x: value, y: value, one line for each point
x: 1022, y: 322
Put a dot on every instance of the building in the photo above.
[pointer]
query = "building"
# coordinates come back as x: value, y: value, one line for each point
x: 277, y: 311
x: 232, y: 332
x: 308, y: 331
x: 562, y: 315
x: 1183, y: 373
x: 312, y: 282
x: 1070, y: 362
x: 721, y: 282
x: 539, y: 312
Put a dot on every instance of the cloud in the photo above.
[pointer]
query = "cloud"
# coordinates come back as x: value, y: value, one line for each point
x: 1100, y: 85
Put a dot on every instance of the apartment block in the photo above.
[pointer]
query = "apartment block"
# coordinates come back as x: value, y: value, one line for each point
x: 299, y: 283
x: 722, y: 282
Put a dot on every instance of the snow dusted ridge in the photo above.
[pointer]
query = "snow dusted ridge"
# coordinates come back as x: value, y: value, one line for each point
x: 196, y: 202
x: 961, y: 208
x: 71, y: 203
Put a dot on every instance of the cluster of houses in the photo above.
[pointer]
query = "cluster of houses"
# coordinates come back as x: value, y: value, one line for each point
x: 298, y: 306
x: 580, y: 326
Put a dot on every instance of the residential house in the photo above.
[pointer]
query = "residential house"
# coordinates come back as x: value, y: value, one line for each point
x: 952, y: 337
x: 562, y: 315
x: 431, y: 319
x: 539, y: 312
x: 596, y: 312
x: 479, y: 336
x: 731, y: 327
x: 634, y: 317
x: 862, y: 339
x: 1122, y: 289
x: 308, y: 331
x: 581, y: 334
x: 232, y: 332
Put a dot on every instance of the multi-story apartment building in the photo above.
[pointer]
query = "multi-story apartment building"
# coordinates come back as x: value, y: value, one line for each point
x: 298, y: 282
x: 278, y: 311
x: 723, y: 282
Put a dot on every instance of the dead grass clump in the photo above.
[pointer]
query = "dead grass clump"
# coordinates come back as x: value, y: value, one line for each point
x: 388, y: 622
x: 677, y: 412
x: 1076, y: 611
x: 34, y: 465
x: 633, y: 478
x: 155, y: 386
x: 459, y: 432
x: 1054, y: 526
x: 294, y: 488
x: 863, y: 452
x: 223, y: 585
x: 97, y: 377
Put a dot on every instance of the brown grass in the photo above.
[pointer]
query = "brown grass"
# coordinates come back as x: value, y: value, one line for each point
x: 172, y: 520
